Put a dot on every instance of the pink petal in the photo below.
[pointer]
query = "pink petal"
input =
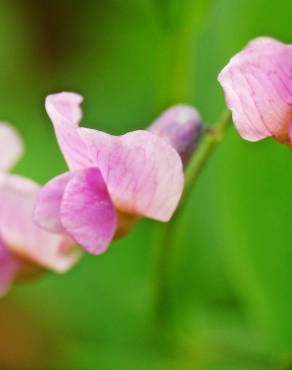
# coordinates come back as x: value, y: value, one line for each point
x: 143, y: 173
x: 11, y: 146
x: 257, y: 83
x: 65, y: 113
x: 21, y: 235
x: 87, y: 212
x: 263, y: 40
x: 8, y: 268
x: 48, y: 204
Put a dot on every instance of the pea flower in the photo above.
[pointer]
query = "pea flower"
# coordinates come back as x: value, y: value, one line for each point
x: 181, y: 126
x: 112, y: 182
x: 257, y: 83
x: 25, y: 249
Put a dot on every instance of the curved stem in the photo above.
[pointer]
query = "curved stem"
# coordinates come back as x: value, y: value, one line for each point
x: 212, y: 138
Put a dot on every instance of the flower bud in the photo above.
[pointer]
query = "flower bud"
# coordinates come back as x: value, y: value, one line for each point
x: 181, y: 126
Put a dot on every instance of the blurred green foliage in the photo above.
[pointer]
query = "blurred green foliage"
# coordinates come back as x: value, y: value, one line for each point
x: 231, y: 281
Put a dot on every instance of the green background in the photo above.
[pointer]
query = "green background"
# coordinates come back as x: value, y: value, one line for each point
x: 230, y: 305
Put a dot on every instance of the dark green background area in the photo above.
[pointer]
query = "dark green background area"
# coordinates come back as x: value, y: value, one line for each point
x: 231, y: 271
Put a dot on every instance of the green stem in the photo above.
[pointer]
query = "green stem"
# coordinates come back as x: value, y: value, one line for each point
x: 213, y: 136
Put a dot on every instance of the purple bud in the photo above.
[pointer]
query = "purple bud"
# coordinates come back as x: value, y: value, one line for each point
x: 181, y: 126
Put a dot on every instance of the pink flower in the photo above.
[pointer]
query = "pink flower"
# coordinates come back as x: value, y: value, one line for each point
x: 258, y: 89
x: 113, y: 180
x: 181, y: 126
x: 24, y: 247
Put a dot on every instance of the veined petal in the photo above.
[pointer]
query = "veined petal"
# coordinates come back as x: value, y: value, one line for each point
x: 65, y: 113
x: 11, y: 146
x: 87, y: 212
x: 143, y: 173
x: 257, y: 83
x: 48, y: 204
x: 22, y: 236
x: 8, y: 268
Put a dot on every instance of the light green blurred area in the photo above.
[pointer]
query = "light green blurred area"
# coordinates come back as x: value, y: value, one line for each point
x: 231, y: 276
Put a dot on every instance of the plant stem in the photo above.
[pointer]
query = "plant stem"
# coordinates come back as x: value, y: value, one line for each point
x: 213, y: 136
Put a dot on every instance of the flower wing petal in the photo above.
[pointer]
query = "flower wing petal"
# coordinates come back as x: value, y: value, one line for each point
x: 143, y: 173
x: 48, y: 204
x: 87, y: 211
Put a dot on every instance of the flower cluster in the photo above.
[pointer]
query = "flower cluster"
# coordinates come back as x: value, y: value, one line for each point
x: 112, y: 182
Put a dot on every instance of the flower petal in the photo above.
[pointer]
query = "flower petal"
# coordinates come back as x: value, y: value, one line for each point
x: 11, y: 146
x: 21, y: 235
x: 143, y: 173
x: 8, y: 268
x: 65, y: 113
x: 48, y: 204
x: 262, y: 40
x: 258, y: 89
x: 87, y: 212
